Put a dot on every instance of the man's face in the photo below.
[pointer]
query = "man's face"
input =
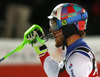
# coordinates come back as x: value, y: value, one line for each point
x: 59, y: 37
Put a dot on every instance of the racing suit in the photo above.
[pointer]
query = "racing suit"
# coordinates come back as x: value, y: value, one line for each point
x: 79, y: 62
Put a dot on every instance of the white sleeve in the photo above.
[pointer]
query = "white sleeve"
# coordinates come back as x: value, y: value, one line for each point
x: 78, y: 65
x: 51, y: 67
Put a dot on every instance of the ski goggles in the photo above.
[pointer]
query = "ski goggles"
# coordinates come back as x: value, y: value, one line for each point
x: 54, y: 25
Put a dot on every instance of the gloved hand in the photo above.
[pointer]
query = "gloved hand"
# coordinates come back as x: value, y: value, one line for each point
x: 38, y: 43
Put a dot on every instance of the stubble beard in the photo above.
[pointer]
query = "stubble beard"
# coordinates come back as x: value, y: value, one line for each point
x: 59, y: 41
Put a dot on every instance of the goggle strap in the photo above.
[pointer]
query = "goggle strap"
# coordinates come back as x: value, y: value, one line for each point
x: 73, y: 19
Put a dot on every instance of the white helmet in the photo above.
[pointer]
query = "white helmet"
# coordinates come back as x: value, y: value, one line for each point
x: 68, y: 13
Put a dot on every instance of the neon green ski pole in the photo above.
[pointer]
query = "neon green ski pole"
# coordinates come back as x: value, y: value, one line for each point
x: 25, y: 41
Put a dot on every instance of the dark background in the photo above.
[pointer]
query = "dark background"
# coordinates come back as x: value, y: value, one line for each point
x: 43, y: 8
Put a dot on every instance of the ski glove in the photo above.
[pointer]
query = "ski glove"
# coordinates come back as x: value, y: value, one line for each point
x: 38, y: 43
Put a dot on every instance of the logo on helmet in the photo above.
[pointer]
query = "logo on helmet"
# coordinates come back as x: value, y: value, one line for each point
x: 64, y: 22
x: 55, y: 12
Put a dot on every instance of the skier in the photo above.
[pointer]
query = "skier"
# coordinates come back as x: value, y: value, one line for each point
x: 67, y: 24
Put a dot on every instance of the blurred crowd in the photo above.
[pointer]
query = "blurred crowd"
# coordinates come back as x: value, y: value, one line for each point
x: 16, y: 16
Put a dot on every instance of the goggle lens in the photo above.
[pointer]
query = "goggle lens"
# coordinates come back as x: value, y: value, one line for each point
x: 53, y: 24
